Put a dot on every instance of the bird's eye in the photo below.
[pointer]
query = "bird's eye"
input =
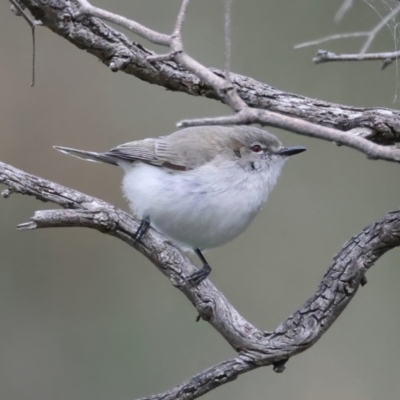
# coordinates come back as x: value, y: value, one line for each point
x: 256, y: 148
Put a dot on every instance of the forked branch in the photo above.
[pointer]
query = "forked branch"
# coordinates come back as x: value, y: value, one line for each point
x: 179, y: 72
x: 229, y: 95
x: 324, y: 56
x: 255, y: 347
x: 250, y: 100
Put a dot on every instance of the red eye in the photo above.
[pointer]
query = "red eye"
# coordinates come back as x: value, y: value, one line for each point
x: 256, y: 148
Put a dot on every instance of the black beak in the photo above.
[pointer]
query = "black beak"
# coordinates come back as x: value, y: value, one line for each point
x: 290, y: 151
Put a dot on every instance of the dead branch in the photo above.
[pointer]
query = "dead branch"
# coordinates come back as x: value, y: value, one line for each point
x: 252, y: 101
x: 388, y: 58
x: 324, y: 56
x: 121, y: 54
x: 256, y: 348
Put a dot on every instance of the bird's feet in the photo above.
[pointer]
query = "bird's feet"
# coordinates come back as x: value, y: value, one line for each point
x: 199, y: 276
x: 143, y: 227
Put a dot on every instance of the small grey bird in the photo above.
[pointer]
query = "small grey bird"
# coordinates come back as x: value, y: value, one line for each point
x: 201, y: 187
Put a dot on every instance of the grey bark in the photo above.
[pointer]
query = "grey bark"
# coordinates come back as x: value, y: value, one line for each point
x: 120, y: 53
x: 255, y: 347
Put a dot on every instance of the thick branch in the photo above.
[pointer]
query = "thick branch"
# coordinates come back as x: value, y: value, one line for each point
x: 256, y: 348
x: 299, y: 332
x: 119, y: 53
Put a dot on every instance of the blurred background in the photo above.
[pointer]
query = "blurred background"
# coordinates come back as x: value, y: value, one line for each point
x: 84, y: 316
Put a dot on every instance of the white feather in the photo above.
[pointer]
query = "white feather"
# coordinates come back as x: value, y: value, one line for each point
x: 201, y: 208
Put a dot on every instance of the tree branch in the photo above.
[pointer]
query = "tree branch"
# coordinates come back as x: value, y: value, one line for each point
x: 119, y: 53
x: 347, y: 271
x: 229, y: 95
x: 256, y: 348
x: 389, y: 57
x: 356, y: 141
x: 324, y: 56
x: 370, y: 35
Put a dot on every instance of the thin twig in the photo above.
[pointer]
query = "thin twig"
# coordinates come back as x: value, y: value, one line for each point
x: 33, y: 30
x: 264, y: 117
x: 230, y: 96
x: 180, y: 19
x: 23, y: 13
x: 370, y: 35
x: 163, y: 57
x: 225, y: 90
x: 346, y: 5
x: 32, y: 25
x: 329, y: 38
x: 246, y: 115
x: 324, y: 56
x: 116, y: 50
x: 378, y: 27
x: 228, y: 39
x: 155, y: 37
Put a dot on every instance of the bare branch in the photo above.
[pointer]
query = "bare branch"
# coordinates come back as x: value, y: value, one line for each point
x: 19, y: 10
x: 179, y: 21
x: 374, y: 31
x: 370, y: 35
x: 263, y: 117
x: 221, y: 87
x: 229, y: 95
x: 347, y: 271
x: 336, y: 36
x: 207, y: 380
x: 121, y: 54
x: 324, y: 56
x: 228, y: 38
x: 256, y: 348
x: 163, y: 57
x: 84, y: 7
x: 245, y: 115
x: 97, y: 214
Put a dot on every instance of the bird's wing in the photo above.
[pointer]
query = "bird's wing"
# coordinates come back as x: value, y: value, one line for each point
x: 140, y: 150
x: 183, y: 150
x: 178, y: 151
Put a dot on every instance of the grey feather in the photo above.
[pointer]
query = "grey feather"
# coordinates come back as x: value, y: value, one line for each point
x: 182, y: 150
x: 87, y: 155
x: 139, y: 150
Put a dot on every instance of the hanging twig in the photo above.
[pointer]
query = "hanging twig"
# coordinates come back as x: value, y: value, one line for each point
x: 21, y: 11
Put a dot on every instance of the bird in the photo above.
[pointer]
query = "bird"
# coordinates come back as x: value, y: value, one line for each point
x: 201, y: 187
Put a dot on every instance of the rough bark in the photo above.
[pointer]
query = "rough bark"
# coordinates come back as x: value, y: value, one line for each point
x: 120, y: 53
x: 255, y: 347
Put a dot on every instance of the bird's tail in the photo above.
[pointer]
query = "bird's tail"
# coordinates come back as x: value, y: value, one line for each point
x: 88, y: 155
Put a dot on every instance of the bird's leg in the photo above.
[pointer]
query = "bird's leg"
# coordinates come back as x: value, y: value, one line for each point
x: 201, y: 274
x: 144, y: 225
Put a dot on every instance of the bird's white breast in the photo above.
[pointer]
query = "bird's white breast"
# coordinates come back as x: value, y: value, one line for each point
x: 201, y: 208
